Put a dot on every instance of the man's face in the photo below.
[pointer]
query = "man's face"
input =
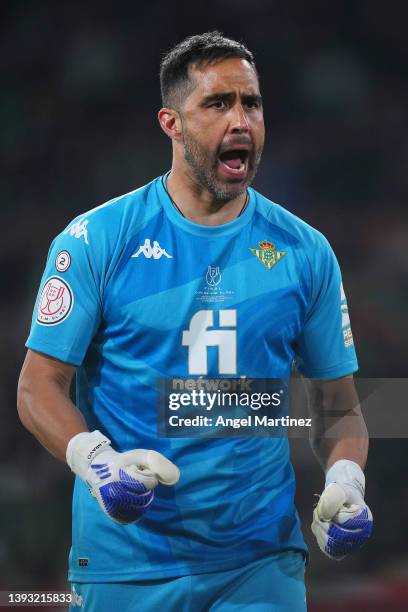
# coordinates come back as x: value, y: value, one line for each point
x: 223, y: 128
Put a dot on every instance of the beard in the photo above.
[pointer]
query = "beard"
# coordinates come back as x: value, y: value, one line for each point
x: 204, y: 166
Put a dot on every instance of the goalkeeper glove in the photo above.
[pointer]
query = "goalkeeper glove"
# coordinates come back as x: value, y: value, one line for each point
x: 122, y: 483
x: 342, y: 521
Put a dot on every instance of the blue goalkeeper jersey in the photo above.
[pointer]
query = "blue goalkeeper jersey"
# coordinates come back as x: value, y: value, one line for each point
x: 130, y: 294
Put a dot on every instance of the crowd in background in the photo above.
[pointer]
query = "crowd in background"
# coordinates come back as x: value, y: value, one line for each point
x: 78, y: 105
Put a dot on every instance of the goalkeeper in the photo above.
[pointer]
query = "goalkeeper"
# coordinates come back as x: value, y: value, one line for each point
x: 194, y: 274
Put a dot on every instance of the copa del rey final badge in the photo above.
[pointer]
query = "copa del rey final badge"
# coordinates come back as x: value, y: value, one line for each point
x: 55, y: 303
x: 267, y: 254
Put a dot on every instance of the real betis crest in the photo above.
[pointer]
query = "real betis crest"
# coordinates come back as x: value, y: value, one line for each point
x: 267, y: 254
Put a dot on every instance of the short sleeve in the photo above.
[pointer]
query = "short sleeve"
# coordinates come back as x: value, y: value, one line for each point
x: 325, y: 347
x: 68, y: 308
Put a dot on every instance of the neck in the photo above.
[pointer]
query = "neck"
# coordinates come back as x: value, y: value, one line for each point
x: 198, y: 204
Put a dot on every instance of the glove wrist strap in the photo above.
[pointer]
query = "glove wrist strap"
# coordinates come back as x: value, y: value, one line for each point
x: 83, y: 448
x: 347, y: 472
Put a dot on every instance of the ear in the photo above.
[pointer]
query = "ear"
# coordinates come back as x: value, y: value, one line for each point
x: 170, y: 123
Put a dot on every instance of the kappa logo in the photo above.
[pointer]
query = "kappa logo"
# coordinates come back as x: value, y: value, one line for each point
x: 150, y: 251
x: 77, y: 601
x: 78, y: 229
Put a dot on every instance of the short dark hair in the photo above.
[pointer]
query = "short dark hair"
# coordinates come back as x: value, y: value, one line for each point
x: 198, y: 50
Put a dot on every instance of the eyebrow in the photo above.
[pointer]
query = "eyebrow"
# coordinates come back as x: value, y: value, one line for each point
x: 228, y: 95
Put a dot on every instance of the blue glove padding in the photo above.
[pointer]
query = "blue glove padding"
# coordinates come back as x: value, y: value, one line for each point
x: 123, y: 483
x: 124, y: 499
x: 340, y: 527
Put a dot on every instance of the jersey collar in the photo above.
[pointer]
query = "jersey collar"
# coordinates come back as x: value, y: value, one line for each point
x: 203, y: 230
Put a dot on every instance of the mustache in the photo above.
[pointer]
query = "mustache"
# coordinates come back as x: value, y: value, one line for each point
x: 236, y: 141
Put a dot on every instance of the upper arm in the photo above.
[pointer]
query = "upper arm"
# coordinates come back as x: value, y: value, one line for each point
x: 68, y: 309
x: 44, y: 404
x: 40, y: 369
x: 324, y: 348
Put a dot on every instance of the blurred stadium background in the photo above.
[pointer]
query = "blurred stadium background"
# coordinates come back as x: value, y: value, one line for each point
x: 78, y: 101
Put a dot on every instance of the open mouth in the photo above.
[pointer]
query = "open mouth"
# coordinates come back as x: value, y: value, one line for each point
x: 235, y: 161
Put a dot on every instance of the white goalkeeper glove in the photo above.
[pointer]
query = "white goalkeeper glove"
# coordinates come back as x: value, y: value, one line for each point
x: 342, y: 521
x: 122, y: 483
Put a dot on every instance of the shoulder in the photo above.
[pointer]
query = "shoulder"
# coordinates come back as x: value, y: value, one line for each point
x: 288, y: 227
x: 115, y: 218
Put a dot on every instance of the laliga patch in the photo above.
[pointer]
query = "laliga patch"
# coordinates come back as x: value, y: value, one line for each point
x: 55, y: 302
x: 63, y: 261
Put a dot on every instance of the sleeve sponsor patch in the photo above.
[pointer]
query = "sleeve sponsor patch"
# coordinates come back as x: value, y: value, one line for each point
x: 55, y: 303
x: 345, y: 320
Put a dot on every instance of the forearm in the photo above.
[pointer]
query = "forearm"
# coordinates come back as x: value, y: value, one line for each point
x: 328, y: 450
x: 342, y: 521
x: 339, y: 430
x: 46, y: 410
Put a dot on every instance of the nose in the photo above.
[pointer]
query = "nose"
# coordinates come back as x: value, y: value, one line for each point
x: 239, y: 121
